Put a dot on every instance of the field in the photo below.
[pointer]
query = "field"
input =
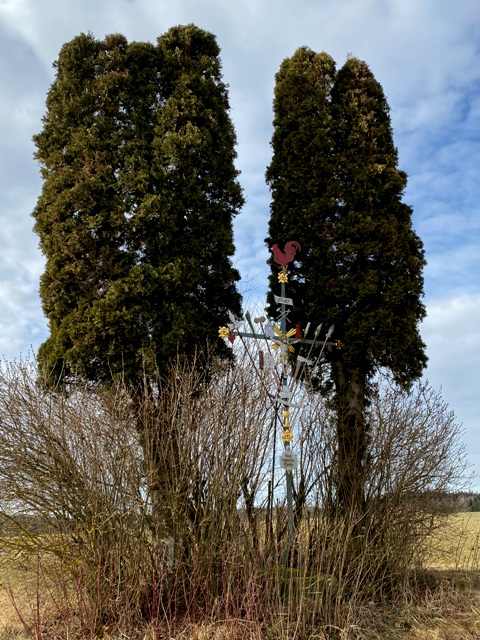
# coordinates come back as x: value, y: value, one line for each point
x: 458, y: 546
x: 450, y: 610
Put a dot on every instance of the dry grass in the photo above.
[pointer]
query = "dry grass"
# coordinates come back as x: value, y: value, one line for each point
x: 447, y: 609
x: 457, y: 545
x: 18, y: 595
x: 450, y: 610
x: 31, y: 594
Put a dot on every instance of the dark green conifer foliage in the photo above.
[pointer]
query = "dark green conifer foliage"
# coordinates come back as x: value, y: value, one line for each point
x: 135, y: 216
x: 337, y: 190
x: 301, y: 168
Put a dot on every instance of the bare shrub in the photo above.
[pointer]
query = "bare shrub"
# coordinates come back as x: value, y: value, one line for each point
x: 416, y: 458
x: 167, y: 506
x: 207, y: 447
x: 72, y: 483
x: 151, y: 505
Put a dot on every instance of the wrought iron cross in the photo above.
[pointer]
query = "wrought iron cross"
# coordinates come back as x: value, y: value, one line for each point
x: 282, y: 342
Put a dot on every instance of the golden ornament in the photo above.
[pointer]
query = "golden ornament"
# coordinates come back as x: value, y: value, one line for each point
x: 223, y: 332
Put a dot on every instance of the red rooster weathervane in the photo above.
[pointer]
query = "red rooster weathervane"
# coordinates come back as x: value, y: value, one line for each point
x: 288, y: 254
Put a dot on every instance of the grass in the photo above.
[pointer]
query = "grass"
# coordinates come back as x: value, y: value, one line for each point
x: 457, y: 546
x: 448, y: 610
x: 28, y: 593
x: 18, y: 587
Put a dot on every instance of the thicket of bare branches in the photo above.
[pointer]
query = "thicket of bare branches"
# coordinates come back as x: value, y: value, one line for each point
x: 168, y: 506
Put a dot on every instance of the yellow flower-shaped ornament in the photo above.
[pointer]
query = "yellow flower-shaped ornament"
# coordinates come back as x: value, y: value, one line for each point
x: 223, y: 332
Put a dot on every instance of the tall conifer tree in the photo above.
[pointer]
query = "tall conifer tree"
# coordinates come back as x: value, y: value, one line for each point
x: 339, y: 193
x: 135, y: 216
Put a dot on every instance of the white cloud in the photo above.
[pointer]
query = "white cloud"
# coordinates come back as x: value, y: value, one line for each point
x: 452, y: 334
x: 452, y: 329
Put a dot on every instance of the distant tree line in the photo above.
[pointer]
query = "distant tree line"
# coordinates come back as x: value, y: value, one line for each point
x: 473, y: 502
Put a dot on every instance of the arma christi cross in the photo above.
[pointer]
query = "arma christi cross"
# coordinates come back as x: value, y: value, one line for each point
x: 282, y: 342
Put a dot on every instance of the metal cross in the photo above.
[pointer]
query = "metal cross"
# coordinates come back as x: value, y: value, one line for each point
x: 282, y: 341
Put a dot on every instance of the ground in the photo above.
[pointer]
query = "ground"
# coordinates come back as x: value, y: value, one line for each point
x: 449, y: 610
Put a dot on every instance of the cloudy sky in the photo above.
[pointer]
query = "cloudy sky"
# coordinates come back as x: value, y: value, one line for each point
x: 425, y: 53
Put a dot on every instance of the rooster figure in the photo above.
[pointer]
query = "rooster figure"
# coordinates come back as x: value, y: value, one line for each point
x: 287, y: 255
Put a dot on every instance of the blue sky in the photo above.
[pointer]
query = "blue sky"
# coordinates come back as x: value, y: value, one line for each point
x: 425, y: 53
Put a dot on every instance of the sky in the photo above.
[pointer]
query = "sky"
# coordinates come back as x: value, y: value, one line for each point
x: 426, y: 55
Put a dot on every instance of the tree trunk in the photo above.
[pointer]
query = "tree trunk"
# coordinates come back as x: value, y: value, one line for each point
x: 161, y: 454
x: 352, y: 440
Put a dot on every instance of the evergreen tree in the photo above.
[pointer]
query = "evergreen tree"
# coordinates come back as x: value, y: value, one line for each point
x: 135, y: 216
x: 337, y: 190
